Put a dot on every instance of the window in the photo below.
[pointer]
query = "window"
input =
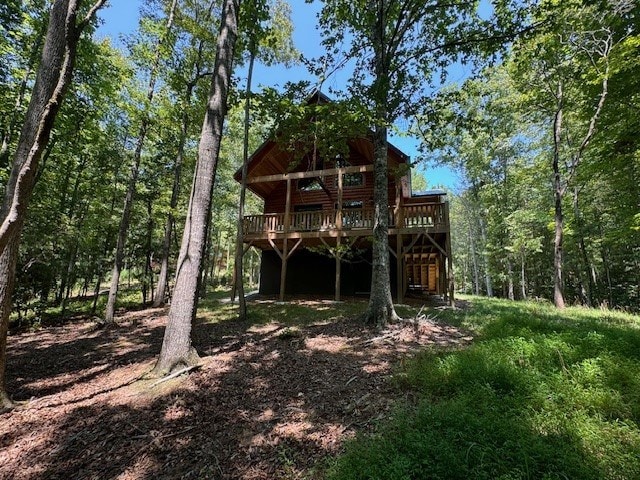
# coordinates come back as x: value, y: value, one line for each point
x: 349, y: 179
x: 310, y: 207
x: 309, y: 185
x: 351, y: 204
x: 352, y: 180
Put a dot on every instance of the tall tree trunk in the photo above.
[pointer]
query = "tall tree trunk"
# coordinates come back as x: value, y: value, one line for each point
x: 204, y: 270
x: 133, y: 177
x: 96, y: 294
x: 380, y: 310
x: 147, y: 282
x: 558, y: 192
x: 586, y: 263
x: 13, y: 120
x: 8, y: 261
x: 163, y: 278
x: 53, y: 77
x: 239, y: 274
x: 176, y: 345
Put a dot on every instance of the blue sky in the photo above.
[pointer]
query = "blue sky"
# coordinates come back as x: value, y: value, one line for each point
x: 120, y: 17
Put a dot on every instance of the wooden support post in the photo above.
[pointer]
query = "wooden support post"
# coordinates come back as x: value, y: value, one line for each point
x: 339, y: 209
x: 287, y: 208
x: 400, y: 270
x: 443, y: 279
x: 283, y: 270
x: 450, y: 277
x: 338, y: 256
x: 435, y: 244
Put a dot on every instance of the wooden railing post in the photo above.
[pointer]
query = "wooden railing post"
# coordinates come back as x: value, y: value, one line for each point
x: 287, y: 207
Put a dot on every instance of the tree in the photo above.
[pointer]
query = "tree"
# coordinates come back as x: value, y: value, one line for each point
x: 271, y: 43
x: 135, y: 166
x: 575, y: 42
x: 176, y: 345
x: 399, y: 46
x: 52, y: 80
x: 188, y: 69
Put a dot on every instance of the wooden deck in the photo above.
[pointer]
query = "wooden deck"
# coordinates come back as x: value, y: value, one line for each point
x: 346, y: 222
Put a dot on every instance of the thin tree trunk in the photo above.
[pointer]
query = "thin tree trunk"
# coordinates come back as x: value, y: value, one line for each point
x: 67, y: 278
x: 176, y: 345
x: 96, y: 294
x: 238, y: 274
x: 558, y: 192
x: 485, y: 257
x: 204, y: 270
x: 147, y: 282
x: 607, y: 271
x: 53, y: 77
x: 380, y: 310
x: 133, y: 177
x: 523, y: 280
x: 163, y: 279
x: 474, y: 256
x: 510, y: 292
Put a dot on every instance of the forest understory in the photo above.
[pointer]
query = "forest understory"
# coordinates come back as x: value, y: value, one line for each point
x: 275, y: 397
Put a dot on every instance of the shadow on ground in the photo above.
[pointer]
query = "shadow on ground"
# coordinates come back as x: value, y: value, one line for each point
x: 276, y: 395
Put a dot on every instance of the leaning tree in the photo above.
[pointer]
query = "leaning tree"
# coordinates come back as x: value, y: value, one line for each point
x: 55, y: 71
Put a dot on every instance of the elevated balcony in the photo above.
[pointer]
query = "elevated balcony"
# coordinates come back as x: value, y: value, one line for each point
x: 432, y: 217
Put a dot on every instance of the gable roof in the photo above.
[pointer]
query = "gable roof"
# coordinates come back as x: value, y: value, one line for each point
x: 271, y: 158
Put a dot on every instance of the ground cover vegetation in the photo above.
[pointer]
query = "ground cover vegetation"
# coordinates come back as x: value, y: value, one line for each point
x: 539, y: 394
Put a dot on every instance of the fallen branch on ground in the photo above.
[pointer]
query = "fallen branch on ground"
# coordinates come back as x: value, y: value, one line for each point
x: 175, y: 374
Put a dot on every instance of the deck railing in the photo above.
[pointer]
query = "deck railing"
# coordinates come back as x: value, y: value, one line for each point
x: 408, y: 216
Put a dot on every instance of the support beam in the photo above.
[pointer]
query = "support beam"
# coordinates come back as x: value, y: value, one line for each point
x: 287, y: 208
x: 275, y: 247
x: 430, y: 238
x: 338, y: 256
x: 283, y: 270
x: 413, y: 242
x: 294, y: 248
x: 400, y: 270
x: 310, y: 174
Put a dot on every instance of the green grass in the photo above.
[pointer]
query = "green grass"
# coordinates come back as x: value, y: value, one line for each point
x: 540, y: 394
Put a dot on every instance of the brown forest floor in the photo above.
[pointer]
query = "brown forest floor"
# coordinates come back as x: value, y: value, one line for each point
x: 270, y: 402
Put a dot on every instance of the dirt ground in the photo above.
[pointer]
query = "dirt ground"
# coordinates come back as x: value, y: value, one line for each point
x: 270, y: 402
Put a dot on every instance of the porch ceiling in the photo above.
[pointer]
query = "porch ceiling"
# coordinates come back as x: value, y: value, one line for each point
x: 272, y: 159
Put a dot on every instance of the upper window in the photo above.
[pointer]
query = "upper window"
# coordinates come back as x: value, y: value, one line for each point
x: 349, y: 179
x: 309, y: 184
x: 353, y: 180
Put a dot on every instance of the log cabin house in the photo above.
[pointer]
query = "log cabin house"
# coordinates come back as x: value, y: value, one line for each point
x: 316, y: 228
